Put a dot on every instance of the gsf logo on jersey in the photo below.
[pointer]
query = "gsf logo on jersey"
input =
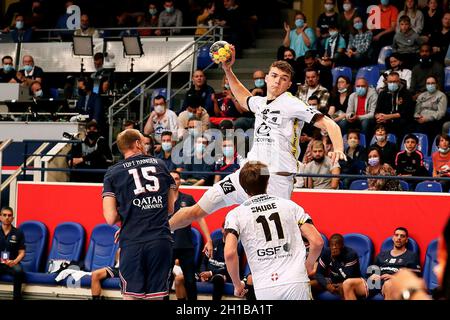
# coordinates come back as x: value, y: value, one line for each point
x: 268, y: 251
x: 263, y: 130
x: 227, y: 186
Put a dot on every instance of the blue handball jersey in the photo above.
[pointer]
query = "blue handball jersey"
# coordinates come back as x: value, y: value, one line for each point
x: 141, y: 187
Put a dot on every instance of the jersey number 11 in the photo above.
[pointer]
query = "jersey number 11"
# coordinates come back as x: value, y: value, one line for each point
x: 273, y: 217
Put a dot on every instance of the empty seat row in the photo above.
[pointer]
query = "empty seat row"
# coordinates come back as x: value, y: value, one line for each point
x: 424, y: 186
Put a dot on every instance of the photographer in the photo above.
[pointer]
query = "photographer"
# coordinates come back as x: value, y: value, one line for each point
x: 91, y: 153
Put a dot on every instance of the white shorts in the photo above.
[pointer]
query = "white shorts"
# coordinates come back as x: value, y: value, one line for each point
x: 294, y: 291
x: 228, y: 191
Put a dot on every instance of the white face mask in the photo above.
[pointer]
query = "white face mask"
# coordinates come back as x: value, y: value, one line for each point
x: 159, y: 109
x: 380, y: 138
x: 444, y: 151
x: 352, y: 143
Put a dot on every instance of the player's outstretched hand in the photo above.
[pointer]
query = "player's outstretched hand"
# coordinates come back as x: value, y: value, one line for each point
x: 208, y: 249
x: 239, y: 290
x: 226, y: 66
x: 335, y: 156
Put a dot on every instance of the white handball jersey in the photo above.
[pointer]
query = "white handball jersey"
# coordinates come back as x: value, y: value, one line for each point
x: 277, y: 132
x: 268, y: 228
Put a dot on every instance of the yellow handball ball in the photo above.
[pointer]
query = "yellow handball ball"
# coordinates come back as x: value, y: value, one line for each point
x: 220, y: 51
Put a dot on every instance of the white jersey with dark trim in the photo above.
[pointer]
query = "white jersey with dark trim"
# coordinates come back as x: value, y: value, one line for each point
x: 268, y: 228
x: 278, y: 126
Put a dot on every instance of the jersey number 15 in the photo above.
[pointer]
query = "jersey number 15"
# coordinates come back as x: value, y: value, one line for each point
x: 151, y: 187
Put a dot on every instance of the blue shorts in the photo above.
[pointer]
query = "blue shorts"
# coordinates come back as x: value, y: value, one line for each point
x: 145, y: 269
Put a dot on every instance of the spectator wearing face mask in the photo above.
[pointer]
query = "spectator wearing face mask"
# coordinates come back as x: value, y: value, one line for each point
x: 7, y: 72
x: 170, y: 17
x: 326, y: 18
x: 260, y: 88
x: 409, y: 162
x: 30, y: 71
x: 356, y: 157
x: 165, y: 154
x: 199, y: 164
x: 321, y: 164
x: 36, y: 90
x: 361, y: 108
x: 91, y: 153
x: 161, y: 119
x: 346, y: 18
x: 396, y: 64
x: 148, y: 19
x: 335, y: 47
x: 20, y: 32
x: 395, y: 107
x: 359, y: 42
x: 301, y: 38
x: 338, y: 103
x: 149, y: 145
x: 377, y: 167
x: 441, y: 160
x: 194, y: 111
x: 387, y: 149
x: 90, y: 103
x: 288, y: 55
x: 431, y: 106
x: 229, y: 162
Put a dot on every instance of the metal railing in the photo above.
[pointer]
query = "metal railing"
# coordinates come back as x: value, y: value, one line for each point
x: 143, y: 87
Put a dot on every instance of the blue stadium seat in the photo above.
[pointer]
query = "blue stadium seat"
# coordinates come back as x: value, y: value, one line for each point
x: 390, y: 137
x: 404, y: 185
x: 102, y: 249
x: 388, y: 245
x: 359, y: 185
x: 428, y: 163
x: 197, y: 241
x: 54, y: 93
x: 430, y: 262
x: 370, y: 73
x: 447, y: 79
x: 341, y: 71
x: 35, y: 242
x: 385, y: 52
x: 203, y: 58
x: 67, y: 244
x: 216, y: 234
x: 434, y: 147
x: 362, y: 140
x: 363, y: 247
x: 423, y: 143
x: 328, y: 296
x: 428, y: 186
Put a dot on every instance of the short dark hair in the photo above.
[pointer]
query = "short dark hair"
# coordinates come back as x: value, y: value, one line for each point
x: 404, y: 18
x: 283, y: 66
x: 193, y: 101
x: 380, y: 126
x: 402, y: 229
x: 8, y: 208
x: 444, y: 136
x: 411, y: 136
x: 312, y: 70
x: 130, y: 123
x: 310, y: 54
x: 159, y: 97
x: 88, y: 83
x: 355, y: 131
x: 337, y: 237
x: 7, y: 57
x: 166, y: 133
x: 99, y: 56
x: 254, y: 177
x: 314, y: 97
